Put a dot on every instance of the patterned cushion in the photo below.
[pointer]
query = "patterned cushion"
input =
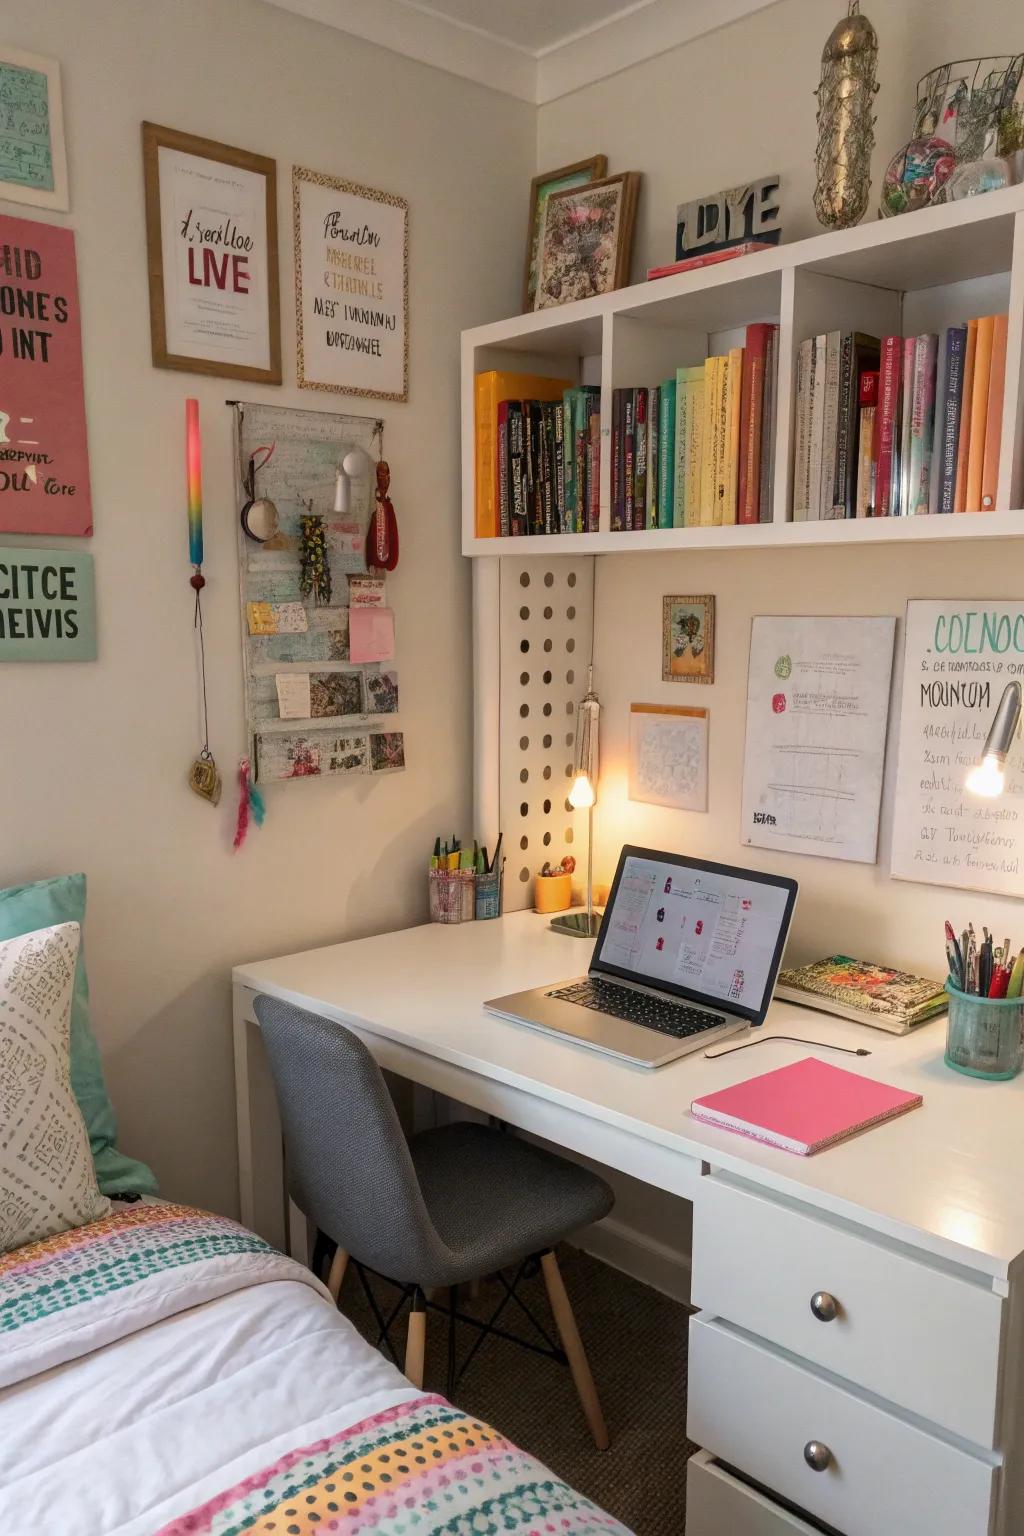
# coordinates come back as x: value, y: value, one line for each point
x: 47, y: 1180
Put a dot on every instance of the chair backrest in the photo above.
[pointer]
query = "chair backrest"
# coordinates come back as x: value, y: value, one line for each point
x: 349, y: 1167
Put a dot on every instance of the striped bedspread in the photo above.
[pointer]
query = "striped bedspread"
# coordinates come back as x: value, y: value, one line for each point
x: 254, y: 1408
x: 421, y: 1467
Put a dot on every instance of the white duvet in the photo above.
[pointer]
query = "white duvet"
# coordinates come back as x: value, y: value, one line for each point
x: 126, y: 1437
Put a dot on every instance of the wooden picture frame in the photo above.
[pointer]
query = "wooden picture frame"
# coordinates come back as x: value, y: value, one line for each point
x: 688, y: 639
x: 229, y: 337
x: 572, y: 263
x: 358, y: 237
x: 579, y: 174
x: 32, y: 82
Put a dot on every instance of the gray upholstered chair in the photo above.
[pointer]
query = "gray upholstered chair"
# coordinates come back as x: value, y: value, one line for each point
x: 442, y: 1209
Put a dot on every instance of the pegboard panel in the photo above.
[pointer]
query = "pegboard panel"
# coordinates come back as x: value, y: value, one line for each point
x: 546, y: 608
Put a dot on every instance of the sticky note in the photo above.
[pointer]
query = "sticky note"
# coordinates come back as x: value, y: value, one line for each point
x: 293, y: 697
x: 371, y: 634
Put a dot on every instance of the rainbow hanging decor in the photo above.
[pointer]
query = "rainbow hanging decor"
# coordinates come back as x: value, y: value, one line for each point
x: 194, y: 477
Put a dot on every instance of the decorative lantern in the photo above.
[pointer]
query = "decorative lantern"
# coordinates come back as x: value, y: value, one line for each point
x: 846, y: 121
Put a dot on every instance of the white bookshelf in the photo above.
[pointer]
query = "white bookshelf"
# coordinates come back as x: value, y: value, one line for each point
x: 904, y: 275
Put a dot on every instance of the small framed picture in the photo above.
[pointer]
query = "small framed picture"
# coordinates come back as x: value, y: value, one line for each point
x: 586, y: 237
x: 541, y: 188
x: 33, y: 165
x: 211, y: 233
x: 688, y: 640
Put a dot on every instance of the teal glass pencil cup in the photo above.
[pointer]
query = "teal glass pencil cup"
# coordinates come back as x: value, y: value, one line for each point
x: 984, y: 1034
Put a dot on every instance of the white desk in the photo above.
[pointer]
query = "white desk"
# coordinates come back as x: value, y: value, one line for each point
x: 917, y: 1228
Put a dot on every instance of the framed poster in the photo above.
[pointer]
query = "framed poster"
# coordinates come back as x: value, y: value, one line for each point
x: 33, y: 164
x: 351, y: 287
x: 44, y: 451
x: 817, y: 710
x: 211, y: 233
x: 688, y: 639
x: 47, y: 605
x: 958, y: 657
x: 541, y: 188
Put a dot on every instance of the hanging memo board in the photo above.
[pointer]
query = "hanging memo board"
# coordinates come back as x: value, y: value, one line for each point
x: 311, y: 711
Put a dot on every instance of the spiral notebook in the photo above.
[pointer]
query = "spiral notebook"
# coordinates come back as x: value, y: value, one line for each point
x: 804, y: 1107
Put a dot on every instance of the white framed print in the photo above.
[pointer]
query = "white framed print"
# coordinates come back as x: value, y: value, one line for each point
x: 351, y: 287
x: 33, y: 162
x: 211, y: 234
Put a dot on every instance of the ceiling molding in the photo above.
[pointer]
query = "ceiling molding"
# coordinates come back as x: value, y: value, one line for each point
x: 640, y: 30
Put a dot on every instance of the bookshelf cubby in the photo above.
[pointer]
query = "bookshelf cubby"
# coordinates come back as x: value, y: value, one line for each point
x: 916, y: 272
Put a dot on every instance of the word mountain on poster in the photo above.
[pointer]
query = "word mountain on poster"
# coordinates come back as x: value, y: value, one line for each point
x: 44, y: 452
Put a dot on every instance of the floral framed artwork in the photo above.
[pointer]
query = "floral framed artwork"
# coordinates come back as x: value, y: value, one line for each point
x: 33, y: 163
x: 585, y: 240
x: 688, y: 640
x: 211, y: 234
x: 541, y: 188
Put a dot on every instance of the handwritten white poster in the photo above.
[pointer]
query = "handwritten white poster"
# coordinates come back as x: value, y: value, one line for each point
x: 351, y: 287
x: 817, y: 705
x: 213, y: 231
x: 959, y: 657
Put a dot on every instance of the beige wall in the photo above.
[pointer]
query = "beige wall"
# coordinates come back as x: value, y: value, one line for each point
x: 738, y: 104
x: 94, y: 757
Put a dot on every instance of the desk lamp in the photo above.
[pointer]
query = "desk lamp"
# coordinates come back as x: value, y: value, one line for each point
x: 582, y: 796
x: 988, y: 776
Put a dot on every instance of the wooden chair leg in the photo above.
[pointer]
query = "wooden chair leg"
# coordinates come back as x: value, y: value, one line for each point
x: 337, y: 1272
x: 569, y: 1334
x: 416, y: 1339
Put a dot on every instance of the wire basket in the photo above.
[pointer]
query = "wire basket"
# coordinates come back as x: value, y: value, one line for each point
x: 452, y: 895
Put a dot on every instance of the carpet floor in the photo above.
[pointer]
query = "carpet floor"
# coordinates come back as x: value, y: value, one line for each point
x: 636, y: 1342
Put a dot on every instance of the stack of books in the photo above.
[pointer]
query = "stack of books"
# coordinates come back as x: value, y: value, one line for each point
x: 537, y: 455
x: 698, y: 450
x: 899, y: 426
x: 869, y: 994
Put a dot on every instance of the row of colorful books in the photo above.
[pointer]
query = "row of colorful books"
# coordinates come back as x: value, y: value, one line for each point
x: 698, y: 450
x: 899, y: 426
x: 538, y: 452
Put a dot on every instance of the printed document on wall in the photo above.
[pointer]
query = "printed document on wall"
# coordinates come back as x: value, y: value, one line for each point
x: 817, y: 706
x: 959, y: 656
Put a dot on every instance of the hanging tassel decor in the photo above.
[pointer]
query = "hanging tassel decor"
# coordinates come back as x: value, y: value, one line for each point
x: 382, y: 534
x: 250, y: 803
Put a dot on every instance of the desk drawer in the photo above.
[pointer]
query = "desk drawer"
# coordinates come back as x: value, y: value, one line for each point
x: 923, y: 1338
x: 718, y: 1504
x: 758, y: 1409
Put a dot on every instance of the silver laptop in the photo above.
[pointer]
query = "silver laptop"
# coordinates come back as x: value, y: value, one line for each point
x: 688, y: 952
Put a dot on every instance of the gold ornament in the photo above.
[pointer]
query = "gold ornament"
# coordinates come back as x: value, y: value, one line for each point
x: 846, y: 122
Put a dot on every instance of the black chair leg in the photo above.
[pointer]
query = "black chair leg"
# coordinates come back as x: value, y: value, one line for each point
x: 453, y: 1307
x: 323, y: 1253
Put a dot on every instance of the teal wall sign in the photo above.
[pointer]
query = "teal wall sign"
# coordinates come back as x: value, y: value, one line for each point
x: 47, y: 605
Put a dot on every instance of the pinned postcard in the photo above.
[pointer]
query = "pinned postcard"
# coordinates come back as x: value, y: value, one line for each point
x: 277, y: 619
x: 293, y: 695
x: 382, y: 693
x: 371, y: 634
x: 336, y: 693
x: 387, y: 752
x: 668, y: 756
x: 365, y: 591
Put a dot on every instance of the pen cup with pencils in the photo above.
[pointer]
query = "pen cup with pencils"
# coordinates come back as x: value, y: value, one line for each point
x: 984, y: 1034
x: 452, y: 895
x: 488, y: 894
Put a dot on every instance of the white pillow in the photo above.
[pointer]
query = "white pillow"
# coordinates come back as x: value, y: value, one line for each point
x: 47, y: 1180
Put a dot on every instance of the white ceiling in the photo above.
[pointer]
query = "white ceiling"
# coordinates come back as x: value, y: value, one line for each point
x: 536, y: 50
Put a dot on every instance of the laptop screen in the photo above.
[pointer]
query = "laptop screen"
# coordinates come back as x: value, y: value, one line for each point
x: 706, y: 932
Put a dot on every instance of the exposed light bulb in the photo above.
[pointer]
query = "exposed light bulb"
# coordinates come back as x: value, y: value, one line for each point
x: 581, y: 796
x: 987, y: 778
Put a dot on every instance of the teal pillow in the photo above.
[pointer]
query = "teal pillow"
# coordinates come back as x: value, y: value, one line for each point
x: 23, y: 909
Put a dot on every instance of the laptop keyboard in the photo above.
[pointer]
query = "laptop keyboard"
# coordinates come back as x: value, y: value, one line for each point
x: 679, y: 1020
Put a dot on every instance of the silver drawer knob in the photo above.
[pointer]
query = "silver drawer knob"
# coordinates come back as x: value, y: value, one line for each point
x: 824, y: 1306
x: 817, y: 1456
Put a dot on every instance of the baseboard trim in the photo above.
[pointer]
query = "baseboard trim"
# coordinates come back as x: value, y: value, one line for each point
x: 639, y: 1255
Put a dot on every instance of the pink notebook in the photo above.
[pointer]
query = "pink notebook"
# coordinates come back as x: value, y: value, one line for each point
x: 804, y: 1107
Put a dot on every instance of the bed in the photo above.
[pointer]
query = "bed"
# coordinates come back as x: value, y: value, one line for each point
x: 164, y: 1372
